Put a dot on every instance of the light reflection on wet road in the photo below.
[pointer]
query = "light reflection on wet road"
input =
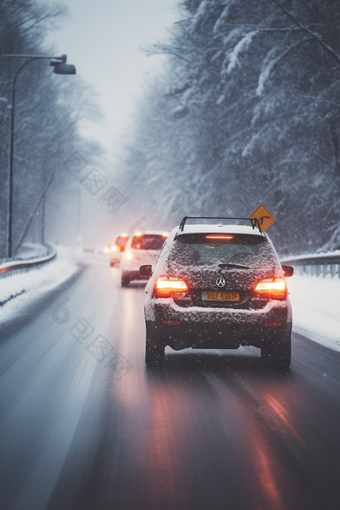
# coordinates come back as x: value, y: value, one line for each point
x: 211, y: 430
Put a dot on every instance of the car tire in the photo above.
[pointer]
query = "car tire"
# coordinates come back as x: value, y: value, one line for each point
x: 125, y: 281
x: 277, y: 354
x: 154, y: 351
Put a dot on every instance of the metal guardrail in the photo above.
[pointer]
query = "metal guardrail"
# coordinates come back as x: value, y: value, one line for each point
x: 316, y: 265
x: 23, y: 266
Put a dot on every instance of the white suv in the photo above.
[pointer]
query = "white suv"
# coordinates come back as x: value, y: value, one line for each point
x: 143, y: 249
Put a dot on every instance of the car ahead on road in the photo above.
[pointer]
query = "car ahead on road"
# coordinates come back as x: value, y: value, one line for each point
x: 144, y: 248
x: 117, y: 249
x: 218, y: 287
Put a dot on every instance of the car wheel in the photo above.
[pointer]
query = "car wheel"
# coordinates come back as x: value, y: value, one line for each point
x: 125, y: 280
x: 277, y: 354
x: 154, y: 351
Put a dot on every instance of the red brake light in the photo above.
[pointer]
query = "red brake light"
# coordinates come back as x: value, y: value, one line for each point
x: 218, y: 236
x: 167, y: 285
x: 275, y: 288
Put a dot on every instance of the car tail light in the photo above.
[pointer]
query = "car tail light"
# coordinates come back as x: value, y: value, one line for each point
x: 275, y: 288
x: 128, y: 255
x: 166, y: 286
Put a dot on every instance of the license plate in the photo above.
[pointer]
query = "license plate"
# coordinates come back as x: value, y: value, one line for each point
x: 220, y: 296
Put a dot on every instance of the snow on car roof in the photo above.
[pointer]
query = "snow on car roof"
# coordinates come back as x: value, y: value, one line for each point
x: 218, y: 229
x: 151, y: 232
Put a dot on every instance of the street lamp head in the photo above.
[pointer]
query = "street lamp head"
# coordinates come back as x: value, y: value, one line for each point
x: 60, y: 66
x: 64, y: 69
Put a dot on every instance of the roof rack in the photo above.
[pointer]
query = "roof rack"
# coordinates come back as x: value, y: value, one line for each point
x: 254, y: 221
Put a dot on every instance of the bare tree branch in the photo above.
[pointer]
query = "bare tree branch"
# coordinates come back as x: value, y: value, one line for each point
x: 329, y: 50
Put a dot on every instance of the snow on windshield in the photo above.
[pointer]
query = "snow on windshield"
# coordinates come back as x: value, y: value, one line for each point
x: 243, y: 250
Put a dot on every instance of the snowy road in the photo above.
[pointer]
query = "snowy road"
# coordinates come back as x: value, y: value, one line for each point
x: 212, y: 430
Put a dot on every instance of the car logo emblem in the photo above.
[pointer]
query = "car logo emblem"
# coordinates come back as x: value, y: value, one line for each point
x: 220, y: 282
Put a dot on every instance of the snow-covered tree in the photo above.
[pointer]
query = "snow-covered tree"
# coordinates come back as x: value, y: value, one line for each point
x: 251, y: 90
x: 48, y: 109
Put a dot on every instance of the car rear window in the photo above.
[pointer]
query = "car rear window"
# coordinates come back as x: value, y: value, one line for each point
x: 148, y: 242
x: 239, y: 249
x: 121, y: 241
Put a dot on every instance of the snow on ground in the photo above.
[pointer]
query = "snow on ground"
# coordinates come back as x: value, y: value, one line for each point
x: 32, y: 250
x: 316, y: 308
x: 321, y: 255
x: 25, y: 286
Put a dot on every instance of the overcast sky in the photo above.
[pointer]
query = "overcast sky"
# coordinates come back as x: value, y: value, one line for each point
x: 103, y: 39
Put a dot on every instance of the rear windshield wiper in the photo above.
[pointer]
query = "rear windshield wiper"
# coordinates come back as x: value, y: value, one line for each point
x: 236, y: 266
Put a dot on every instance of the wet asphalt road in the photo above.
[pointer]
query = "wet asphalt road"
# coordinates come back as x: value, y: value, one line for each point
x: 212, y: 430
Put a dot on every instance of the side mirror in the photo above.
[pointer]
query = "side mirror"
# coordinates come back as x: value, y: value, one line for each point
x: 288, y: 271
x: 145, y: 270
x: 122, y: 249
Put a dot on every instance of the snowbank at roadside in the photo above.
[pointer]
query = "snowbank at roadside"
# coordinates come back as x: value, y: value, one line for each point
x: 316, y: 308
x: 32, y: 250
x: 29, y: 251
x: 24, y: 286
x: 320, y: 255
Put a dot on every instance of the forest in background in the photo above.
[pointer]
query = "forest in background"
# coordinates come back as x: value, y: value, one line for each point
x: 245, y: 111
x: 49, y: 109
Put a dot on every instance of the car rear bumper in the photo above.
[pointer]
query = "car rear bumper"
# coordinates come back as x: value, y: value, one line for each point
x: 165, y: 309
x: 115, y: 259
x: 216, y: 336
x: 134, y: 275
x: 217, y: 328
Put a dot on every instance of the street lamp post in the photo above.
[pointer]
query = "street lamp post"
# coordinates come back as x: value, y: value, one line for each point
x: 60, y: 67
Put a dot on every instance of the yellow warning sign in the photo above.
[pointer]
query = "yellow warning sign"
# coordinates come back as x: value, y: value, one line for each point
x: 264, y: 217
